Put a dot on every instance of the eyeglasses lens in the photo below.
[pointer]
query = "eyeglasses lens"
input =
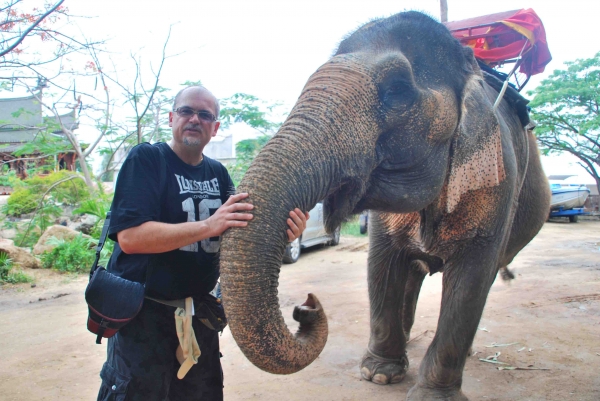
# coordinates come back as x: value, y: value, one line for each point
x: 188, y: 113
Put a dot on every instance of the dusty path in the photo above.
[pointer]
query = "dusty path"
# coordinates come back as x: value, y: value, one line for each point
x: 552, y: 311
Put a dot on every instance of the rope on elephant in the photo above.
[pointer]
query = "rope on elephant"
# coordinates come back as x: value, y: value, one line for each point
x: 505, y: 85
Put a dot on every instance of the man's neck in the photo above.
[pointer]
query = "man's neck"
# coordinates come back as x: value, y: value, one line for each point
x: 189, y: 155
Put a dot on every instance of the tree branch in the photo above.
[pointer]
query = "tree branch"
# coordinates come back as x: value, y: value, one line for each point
x: 157, y: 76
x: 27, y: 31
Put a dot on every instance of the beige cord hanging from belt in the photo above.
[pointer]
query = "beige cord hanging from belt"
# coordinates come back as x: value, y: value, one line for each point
x: 188, y: 350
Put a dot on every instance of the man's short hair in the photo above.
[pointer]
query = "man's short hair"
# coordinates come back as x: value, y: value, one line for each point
x: 217, y: 106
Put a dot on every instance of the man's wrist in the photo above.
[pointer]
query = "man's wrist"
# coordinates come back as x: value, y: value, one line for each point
x: 204, y: 230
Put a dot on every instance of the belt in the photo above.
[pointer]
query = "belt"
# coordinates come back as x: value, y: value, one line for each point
x: 177, y: 303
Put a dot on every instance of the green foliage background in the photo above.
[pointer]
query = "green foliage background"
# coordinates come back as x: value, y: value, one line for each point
x: 7, y: 275
x: 566, y: 107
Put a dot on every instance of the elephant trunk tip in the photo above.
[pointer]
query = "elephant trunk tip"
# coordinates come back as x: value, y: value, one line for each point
x: 312, y: 319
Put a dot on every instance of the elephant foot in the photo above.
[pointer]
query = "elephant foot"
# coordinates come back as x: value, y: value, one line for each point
x: 381, y: 370
x: 418, y: 393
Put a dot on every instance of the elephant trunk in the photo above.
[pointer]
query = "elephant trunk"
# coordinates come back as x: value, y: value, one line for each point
x: 319, y: 152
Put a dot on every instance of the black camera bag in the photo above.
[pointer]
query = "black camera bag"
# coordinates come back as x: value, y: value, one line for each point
x: 112, y: 301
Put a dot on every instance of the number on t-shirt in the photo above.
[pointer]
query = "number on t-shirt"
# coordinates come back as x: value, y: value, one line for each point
x: 209, y: 245
x: 188, y: 207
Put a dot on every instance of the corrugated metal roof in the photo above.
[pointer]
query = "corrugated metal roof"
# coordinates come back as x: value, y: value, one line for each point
x: 9, y: 148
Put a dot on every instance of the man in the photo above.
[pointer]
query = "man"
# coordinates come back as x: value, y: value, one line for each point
x: 167, y: 222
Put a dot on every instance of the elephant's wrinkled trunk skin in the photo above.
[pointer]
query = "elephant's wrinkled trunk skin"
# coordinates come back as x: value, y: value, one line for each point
x: 320, y: 151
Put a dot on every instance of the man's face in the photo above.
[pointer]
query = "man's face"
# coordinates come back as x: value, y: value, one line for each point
x: 194, y: 131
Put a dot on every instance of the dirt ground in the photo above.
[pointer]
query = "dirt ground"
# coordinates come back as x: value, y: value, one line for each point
x: 552, y: 312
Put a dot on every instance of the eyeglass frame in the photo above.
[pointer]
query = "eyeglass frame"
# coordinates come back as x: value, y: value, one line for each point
x: 198, y: 113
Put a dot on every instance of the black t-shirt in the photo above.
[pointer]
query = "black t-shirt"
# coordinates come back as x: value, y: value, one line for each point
x: 181, y: 193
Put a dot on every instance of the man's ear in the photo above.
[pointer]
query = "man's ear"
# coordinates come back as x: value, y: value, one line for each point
x: 217, y: 125
x: 170, y: 119
x: 476, y: 157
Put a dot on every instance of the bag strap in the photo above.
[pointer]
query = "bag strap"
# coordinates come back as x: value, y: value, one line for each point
x: 162, y: 179
x: 101, y: 242
x: 162, y: 182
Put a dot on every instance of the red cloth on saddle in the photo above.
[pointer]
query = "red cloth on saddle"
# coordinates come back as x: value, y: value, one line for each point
x: 499, y: 37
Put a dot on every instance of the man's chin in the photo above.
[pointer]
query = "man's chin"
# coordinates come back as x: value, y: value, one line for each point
x: 192, y: 143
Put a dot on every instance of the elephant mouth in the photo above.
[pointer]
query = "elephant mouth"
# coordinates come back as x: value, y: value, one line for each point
x: 342, y: 202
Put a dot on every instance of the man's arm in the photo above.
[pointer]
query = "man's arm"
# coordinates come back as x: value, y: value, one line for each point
x: 157, y: 237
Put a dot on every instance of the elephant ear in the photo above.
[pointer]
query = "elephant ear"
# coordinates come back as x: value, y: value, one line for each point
x: 476, y: 160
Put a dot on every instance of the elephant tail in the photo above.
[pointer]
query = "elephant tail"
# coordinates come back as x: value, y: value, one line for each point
x: 506, y: 274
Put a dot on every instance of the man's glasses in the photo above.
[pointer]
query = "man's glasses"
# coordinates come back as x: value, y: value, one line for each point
x: 187, y: 112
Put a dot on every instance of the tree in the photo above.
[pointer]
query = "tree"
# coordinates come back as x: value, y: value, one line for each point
x: 252, y: 111
x: 566, y: 108
x: 36, y: 65
x: 245, y: 152
x: 22, y: 57
x: 149, y: 105
x: 86, y: 84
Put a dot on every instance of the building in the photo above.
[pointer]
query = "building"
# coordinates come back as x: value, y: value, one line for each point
x: 21, y: 119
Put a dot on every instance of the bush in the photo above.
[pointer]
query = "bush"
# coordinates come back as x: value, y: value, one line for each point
x: 69, y: 192
x: 28, y: 193
x: 351, y: 227
x: 21, y: 201
x: 7, y: 176
x: 72, y: 256
x: 7, y: 276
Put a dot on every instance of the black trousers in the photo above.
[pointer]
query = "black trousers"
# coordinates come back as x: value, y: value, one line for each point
x: 141, y: 362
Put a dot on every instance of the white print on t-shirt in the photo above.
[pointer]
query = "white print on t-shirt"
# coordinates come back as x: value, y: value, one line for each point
x: 208, y: 245
x: 195, y: 187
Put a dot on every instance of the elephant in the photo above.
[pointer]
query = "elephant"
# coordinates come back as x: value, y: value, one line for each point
x: 400, y: 121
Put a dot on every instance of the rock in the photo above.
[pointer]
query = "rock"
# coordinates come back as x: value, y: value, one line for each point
x: 57, y: 231
x: 84, y: 224
x: 19, y: 256
x: 7, y: 241
x: 8, y: 233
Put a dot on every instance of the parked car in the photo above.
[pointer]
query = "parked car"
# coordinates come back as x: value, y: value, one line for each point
x: 314, y: 234
x: 363, y: 222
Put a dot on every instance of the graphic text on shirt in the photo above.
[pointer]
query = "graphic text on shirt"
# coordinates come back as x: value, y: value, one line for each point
x: 196, y: 187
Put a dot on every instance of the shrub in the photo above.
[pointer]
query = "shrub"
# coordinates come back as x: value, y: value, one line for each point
x: 96, y: 207
x: 351, y: 227
x: 75, y: 255
x: 68, y: 192
x: 28, y: 193
x: 7, y: 176
x: 21, y: 201
x: 9, y: 276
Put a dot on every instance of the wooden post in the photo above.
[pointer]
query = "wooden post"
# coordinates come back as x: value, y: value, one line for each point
x: 443, y: 10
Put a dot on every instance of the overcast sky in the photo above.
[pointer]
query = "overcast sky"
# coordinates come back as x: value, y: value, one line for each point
x: 270, y: 48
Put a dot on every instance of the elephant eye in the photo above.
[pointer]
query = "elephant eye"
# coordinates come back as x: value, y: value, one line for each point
x: 397, y: 94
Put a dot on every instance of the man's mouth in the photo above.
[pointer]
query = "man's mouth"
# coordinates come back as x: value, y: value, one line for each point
x: 193, y: 128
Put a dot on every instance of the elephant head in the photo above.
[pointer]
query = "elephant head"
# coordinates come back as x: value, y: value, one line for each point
x: 397, y: 120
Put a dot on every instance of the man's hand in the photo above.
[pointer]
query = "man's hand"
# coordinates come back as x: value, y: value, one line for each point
x: 297, y: 224
x: 226, y: 216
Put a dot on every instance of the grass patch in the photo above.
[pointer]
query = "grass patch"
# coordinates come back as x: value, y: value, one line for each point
x: 352, y: 228
x: 8, y: 275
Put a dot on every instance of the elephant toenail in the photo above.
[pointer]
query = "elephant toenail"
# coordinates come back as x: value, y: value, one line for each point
x: 397, y: 378
x: 365, y: 373
x: 380, y: 379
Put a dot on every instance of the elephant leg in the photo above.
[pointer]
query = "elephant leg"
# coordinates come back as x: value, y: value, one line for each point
x: 466, y: 284
x: 416, y: 275
x: 385, y: 360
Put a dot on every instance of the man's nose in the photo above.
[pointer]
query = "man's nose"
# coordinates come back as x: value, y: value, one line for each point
x: 194, y: 118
